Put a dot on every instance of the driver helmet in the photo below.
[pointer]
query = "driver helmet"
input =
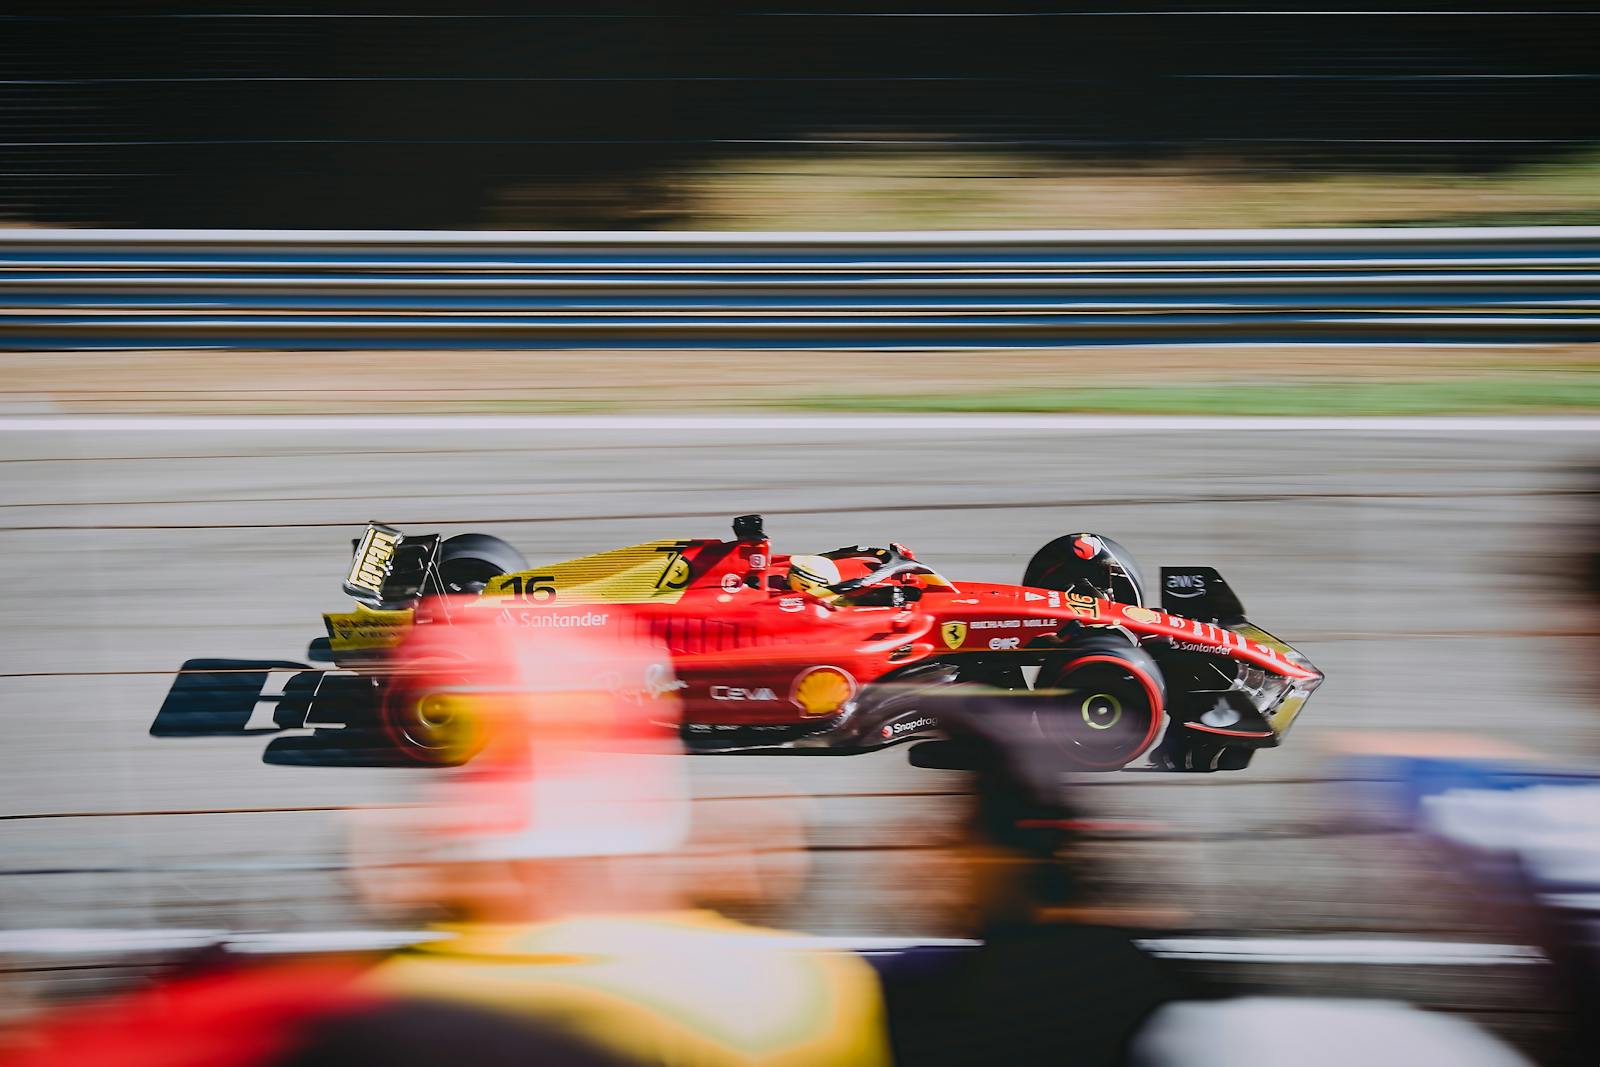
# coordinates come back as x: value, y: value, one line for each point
x: 812, y: 574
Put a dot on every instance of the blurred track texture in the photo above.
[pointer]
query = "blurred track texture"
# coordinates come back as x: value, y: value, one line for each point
x: 441, y: 289
x: 1415, y: 560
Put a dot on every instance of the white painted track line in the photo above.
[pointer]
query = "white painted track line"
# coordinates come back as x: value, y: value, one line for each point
x: 1358, y: 951
x: 1391, y: 952
x: 691, y: 424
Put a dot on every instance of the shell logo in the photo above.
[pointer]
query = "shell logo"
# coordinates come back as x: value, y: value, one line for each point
x: 822, y: 691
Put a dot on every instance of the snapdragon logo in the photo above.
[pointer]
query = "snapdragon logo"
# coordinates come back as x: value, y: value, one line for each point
x: 898, y: 729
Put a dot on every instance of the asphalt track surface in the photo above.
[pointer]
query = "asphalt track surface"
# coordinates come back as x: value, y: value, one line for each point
x: 1421, y: 566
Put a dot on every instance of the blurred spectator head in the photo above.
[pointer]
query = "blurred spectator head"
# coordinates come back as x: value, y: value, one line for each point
x: 1016, y: 855
x: 575, y: 789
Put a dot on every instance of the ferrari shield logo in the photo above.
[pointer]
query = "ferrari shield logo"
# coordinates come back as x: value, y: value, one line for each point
x: 954, y: 633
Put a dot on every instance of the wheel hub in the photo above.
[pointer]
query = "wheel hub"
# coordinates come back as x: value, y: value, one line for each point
x: 1100, y: 711
x: 435, y: 711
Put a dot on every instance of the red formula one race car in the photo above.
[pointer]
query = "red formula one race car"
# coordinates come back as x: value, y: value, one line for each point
x: 841, y: 651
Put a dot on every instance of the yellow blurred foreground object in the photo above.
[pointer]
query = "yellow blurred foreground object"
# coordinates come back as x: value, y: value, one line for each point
x: 566, y: 847
x: 685, y: 987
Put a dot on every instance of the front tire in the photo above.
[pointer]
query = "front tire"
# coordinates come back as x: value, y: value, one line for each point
x: 1101, y: 703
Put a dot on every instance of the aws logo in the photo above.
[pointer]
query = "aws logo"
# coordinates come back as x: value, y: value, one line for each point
x: 1186, y: 586
x: 954, y: 633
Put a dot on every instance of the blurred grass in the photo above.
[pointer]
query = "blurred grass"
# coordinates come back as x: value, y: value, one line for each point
x: 1199, y: 379
x: 1250, y: 398
x: 971, y: 190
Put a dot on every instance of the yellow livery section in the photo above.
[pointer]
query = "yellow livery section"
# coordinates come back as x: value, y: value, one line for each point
x: 365, y: 628
x: 654, y: 572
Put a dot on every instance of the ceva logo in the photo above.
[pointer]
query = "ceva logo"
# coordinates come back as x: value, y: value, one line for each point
x: 731, y: 692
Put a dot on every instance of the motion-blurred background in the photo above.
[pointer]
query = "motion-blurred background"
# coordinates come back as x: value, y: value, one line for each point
x: 615, y: 115
x: 1431, y: 568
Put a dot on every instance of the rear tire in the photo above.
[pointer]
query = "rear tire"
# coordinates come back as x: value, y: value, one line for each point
x: 1103, y: 703
x: 468, y: 562
x: 429, y: 720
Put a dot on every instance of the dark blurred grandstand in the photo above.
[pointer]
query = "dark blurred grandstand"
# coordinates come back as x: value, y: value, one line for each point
x: 387, y: 113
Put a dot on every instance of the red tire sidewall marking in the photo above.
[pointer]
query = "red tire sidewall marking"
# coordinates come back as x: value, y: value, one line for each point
x: 1151, y: 690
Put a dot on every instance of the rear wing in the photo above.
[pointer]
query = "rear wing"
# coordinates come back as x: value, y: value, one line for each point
x: 1200, y: 593
x: 390, y: 569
